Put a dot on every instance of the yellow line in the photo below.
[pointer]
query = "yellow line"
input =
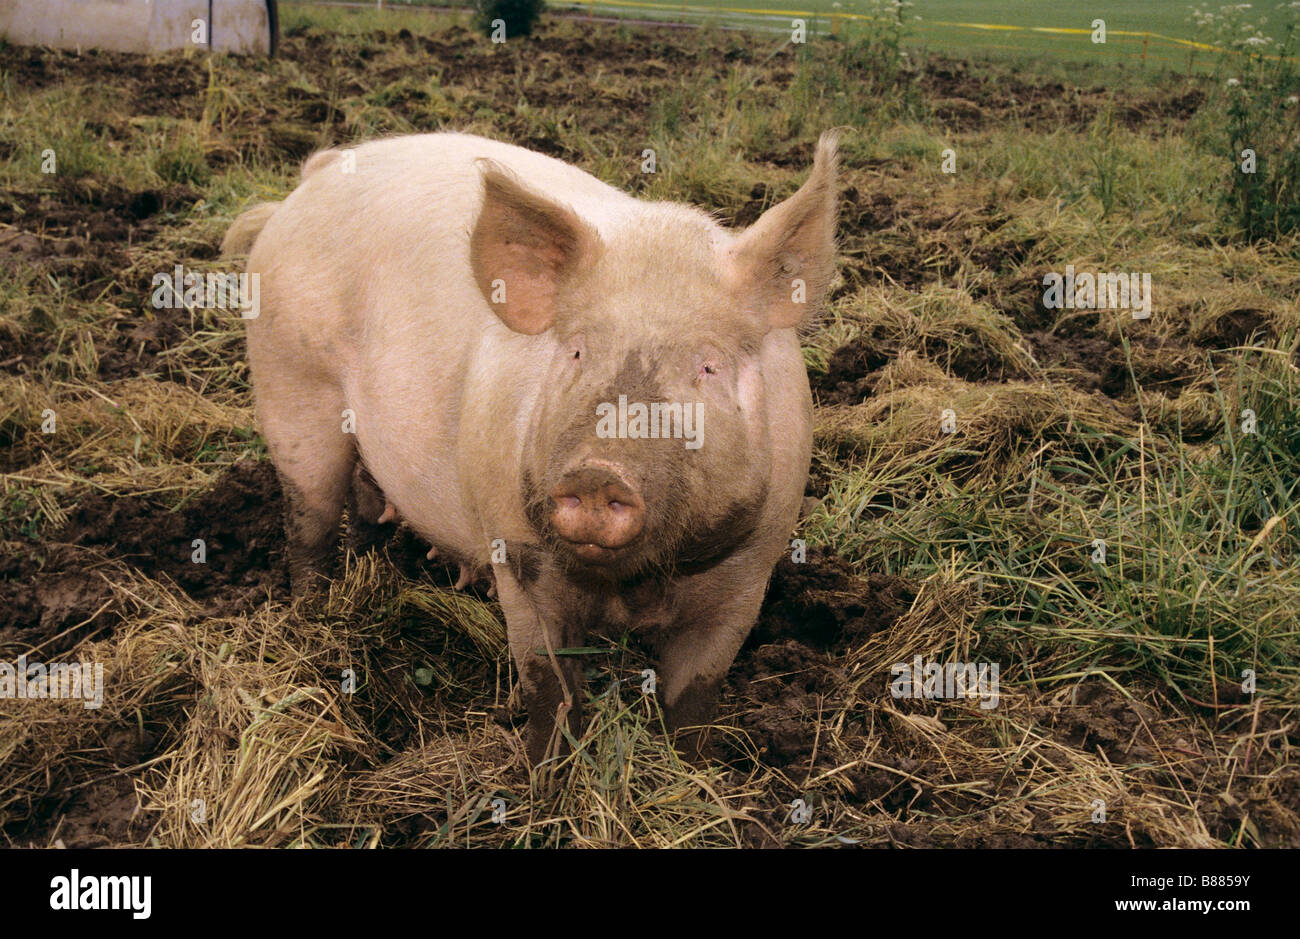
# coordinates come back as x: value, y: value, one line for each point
x: 1075, y: 31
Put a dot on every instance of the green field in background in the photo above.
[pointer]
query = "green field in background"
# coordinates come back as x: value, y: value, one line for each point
x: 952, y: 25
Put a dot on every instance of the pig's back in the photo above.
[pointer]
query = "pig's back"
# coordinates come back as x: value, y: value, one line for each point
x: 405, y: 190
x: 445, y: 164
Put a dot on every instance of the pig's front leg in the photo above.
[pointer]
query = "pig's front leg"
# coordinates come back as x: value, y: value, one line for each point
x: 695, y: 657
x: 551, y: 688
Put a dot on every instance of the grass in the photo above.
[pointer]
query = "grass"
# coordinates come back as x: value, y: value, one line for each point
x: 231, y: 718
x: 1050, y: 36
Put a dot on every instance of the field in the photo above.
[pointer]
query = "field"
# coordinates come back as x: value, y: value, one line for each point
x: 1151, y: 33
x: 1103, y: 505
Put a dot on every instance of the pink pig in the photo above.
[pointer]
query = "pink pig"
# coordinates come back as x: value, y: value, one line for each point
x: 600, y: 399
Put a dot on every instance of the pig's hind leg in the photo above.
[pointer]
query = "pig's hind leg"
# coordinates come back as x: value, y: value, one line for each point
x: 314, y: 457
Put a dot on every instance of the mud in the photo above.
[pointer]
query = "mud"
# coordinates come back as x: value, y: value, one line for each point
x: 969, y: 100
x: 83, y: 232
x: 814, y: 612
x: 161, y: 86
x: 61, y: 584
x: 102, y: 815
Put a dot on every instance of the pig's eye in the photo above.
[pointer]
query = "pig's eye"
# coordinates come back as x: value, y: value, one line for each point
x: 577, y: 353
x: 706, y: 369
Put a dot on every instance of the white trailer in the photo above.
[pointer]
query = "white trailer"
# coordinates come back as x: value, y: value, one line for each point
x: 239, y: 26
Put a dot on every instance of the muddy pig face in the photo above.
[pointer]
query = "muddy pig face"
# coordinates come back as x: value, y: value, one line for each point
x: 650, y: 449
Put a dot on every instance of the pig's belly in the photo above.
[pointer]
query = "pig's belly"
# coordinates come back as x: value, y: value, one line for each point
x: 405, y: 436
x: 429, y: 501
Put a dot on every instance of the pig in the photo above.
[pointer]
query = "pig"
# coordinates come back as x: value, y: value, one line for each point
x: 484, y: 329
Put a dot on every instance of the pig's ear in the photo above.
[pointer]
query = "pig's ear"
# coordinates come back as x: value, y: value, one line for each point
x: 523, y: 248
x: 782, y: 265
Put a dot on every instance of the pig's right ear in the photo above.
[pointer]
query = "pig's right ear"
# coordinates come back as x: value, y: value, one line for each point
x: 523, y: 249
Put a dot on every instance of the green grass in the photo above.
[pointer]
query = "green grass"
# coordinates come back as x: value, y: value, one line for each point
x: 1010, y: 30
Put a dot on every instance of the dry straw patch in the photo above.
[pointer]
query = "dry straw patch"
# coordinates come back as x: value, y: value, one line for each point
x: 902, y: 424
x: 49, y: 746
x: 290, y: 701
x: 997, y: 773
x: 943, y: 324
x: 134, y: 436
x: 264, y: 744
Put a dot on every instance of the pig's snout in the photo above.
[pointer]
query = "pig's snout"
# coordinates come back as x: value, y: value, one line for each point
x: 596, y: 510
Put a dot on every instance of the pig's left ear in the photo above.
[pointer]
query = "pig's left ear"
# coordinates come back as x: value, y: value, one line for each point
x: 524, y: 247
x: 782, y: 265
